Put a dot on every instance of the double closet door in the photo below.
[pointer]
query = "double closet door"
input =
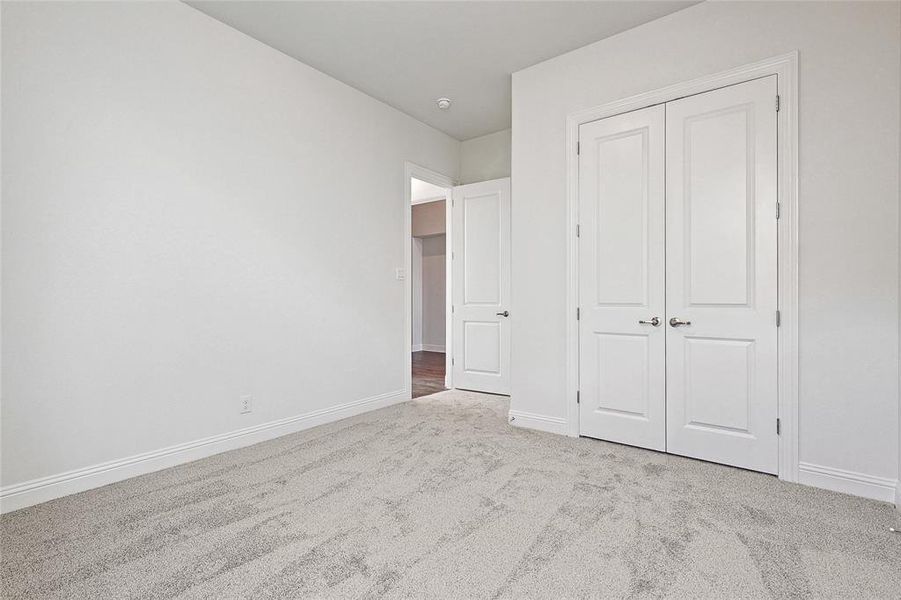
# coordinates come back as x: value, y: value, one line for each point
x: 678, y: 277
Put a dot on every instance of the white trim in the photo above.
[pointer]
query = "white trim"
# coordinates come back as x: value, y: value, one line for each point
x: 449, y: 290
x: 428, y: 348
x: 848, y: 482
x: 785, y: 67
x: 14, y: 497
x: 528, y: 420
x: 898, y: 495
x: 423, y: 174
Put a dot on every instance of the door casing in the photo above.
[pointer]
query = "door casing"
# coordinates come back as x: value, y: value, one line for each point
x: 785, y: 67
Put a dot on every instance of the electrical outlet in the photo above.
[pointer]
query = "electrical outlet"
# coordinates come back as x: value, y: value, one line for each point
x: 246, y: 404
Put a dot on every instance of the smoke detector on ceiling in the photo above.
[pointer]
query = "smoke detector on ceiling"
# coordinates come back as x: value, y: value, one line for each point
x: 443, y: 103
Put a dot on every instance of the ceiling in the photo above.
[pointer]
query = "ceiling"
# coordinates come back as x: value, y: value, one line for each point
x: 421, y: 191
x: 408, y: 54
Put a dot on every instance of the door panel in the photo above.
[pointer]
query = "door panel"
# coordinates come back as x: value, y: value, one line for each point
x: 721, y: 276
x: 622, y: 213
x: 481, y: 286
x: 481, y: 241
x: 622, y: 364
x: 719, y: 375
x: 621, y: 246
x: 718, y: 231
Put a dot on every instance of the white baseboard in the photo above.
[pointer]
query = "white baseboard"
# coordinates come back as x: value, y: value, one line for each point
x: 432, y: 348
x: 540, y: 422
x: 849, y: 482
x: 416, y: 348
x: 20, y: 495
x: 898, y: 495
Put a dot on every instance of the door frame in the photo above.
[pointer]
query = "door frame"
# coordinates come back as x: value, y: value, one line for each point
x: 785, y: 67
x: 434, y: 177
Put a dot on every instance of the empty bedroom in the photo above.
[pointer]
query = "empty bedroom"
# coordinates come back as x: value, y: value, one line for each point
x: 450, y: 299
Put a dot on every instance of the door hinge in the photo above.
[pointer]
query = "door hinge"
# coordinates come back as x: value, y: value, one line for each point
x: 578, y: 313
x: 578, y: 230
x: 452, y: 361
x: 778, y: 210
x: 452, y: 309
x: 578, y: 397
x: 778, y: 102
x: 778, y: 318
x: 453, y: 255
x: 578, y: 148
x: 778, y: 427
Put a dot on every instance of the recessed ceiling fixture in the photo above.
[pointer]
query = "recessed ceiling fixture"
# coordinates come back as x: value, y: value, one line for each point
x: 443, y: 103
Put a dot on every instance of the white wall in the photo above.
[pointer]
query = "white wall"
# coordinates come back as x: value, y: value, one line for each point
x: 416, y: 289
x: 849, y: 157
x: 433, y: 292
x: 486, y: 157
x: 170, y: 194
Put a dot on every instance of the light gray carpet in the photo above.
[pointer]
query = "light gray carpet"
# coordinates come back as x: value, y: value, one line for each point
x: 441, y: 498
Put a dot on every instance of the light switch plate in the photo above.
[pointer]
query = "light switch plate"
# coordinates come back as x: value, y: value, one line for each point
x: 400, y: 274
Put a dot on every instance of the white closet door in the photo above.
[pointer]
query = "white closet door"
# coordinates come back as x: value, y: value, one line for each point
x: 721, y: 276
x: 621, y: 280
x: 481, y: 286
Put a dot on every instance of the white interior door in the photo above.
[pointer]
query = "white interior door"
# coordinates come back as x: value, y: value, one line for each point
x: 621, y: 282
x: 481, y: 286
x: 721, y: 364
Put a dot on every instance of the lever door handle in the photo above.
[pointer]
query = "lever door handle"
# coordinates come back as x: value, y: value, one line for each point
x: 506, y: 313
x: 674, y: 322
x: 654, y: 321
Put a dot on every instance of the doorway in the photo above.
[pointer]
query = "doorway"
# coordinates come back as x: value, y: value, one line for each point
x: 473, y: 244
x: 428, y: 282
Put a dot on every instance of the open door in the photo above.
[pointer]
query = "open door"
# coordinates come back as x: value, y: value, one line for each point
x: 481, y: 286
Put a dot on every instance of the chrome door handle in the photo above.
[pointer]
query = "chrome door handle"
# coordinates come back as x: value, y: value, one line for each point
x: 654, y: 321
x: 506, y: 313
x: 674, y: 322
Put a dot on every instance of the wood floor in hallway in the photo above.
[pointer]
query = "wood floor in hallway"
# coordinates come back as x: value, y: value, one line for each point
x: 428, y: 373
